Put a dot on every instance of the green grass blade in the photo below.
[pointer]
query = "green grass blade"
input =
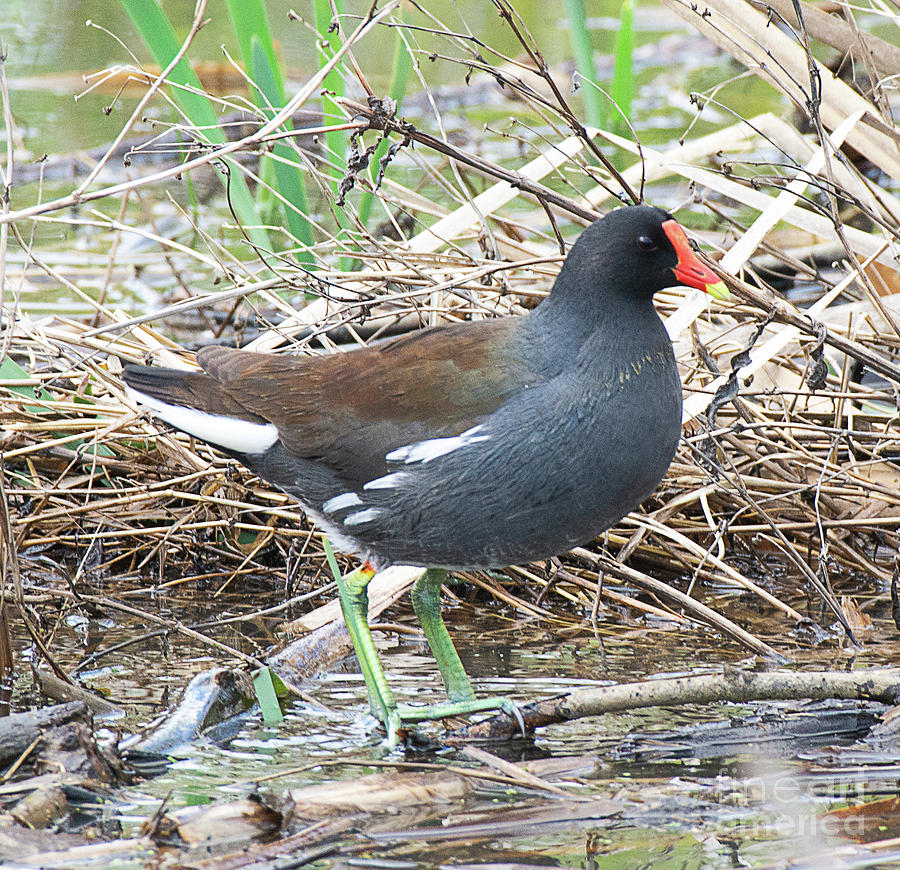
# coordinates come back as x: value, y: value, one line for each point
x: 329, y: 558
x: 159, y: 36
x: 251, y: 28
x: 622, y: 89
x: 10, y: 370
x: 267, y: 694
x: 249, y: 20
x: 594, y: 108
x: 333, y: 86
x: 400, y: 70
x: 288, y: 175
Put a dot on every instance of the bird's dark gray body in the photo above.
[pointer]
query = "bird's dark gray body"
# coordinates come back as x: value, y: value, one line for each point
x: 532, y: 435
x: 533, y: 488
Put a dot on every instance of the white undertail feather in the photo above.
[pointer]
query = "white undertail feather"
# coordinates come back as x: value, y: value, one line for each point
x: 389, y: 481
x: 425, y: 451
x: 241, y: 436
x: 365, y: 516
x: 344, y: 500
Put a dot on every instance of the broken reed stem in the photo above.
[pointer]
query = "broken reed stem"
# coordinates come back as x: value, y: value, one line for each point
x: 731, y: 686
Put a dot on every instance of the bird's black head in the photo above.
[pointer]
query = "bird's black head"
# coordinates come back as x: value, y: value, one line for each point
x: 631, y: 253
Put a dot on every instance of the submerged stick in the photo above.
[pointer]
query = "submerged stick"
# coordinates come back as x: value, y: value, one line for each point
x: 735, y: 686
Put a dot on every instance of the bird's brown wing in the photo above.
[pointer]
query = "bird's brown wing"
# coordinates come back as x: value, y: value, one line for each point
x: 349, y: 410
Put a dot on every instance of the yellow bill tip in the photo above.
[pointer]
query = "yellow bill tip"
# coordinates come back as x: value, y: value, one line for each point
x: 718, y: 291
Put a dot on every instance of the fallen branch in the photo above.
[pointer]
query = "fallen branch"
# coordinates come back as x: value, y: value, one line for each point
x: 18, y: 730
x: 734, y: 686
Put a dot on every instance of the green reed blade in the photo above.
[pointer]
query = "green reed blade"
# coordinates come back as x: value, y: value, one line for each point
x: 622, y: 89
x: 288, y: 175
x: 159, y: 36
x: 400, y: 70
x: 594, y: 108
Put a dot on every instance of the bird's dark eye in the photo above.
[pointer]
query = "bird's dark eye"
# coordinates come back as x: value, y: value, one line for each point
x: 645, y: 243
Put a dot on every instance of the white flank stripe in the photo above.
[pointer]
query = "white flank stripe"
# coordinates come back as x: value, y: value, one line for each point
x: 241, y: 436
x: 344, y: 500
x: 361, y: 517
x: 389, y: 481
x: 425, y: 451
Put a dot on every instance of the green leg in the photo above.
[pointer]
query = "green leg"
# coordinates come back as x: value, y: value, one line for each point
x: 354, y: 597
x: 426, y: 596
x: 426, y: 599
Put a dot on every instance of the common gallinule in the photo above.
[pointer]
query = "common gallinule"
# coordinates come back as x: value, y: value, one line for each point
x: 474, y: 445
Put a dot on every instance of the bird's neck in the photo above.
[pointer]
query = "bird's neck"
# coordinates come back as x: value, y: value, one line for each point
x: 624, y: 329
